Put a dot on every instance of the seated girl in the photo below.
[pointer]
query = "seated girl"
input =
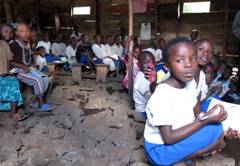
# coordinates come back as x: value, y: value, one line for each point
x: 10, y: 96
x: 145, y: 82
x: 172, y: 133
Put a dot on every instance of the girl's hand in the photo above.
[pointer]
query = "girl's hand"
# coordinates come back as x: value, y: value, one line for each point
x: 216, y: 114
x: 151, y: 75
x: 26, y: 69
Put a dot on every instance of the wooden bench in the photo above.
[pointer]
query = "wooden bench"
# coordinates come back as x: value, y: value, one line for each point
x: 77, y: 73
x: 101, y: 72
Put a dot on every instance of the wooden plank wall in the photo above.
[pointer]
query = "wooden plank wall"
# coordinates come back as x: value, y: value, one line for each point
x: 112, y: 17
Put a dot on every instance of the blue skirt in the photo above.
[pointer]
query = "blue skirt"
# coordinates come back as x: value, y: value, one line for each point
x: 10, y: 92
x: 170, y: 154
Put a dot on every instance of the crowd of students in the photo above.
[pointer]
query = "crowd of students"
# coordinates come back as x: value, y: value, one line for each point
x: 173, y: 84
x: 179, y: 125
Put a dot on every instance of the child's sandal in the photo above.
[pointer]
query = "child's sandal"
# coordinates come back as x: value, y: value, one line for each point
x: 18, y: 117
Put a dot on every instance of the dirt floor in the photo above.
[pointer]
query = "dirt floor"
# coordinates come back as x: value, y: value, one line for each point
x: 91, y: 125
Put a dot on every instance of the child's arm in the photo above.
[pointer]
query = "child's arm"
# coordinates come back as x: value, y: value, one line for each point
x: 197, y: 108
x: 171, y: 136
x: 22, y: 66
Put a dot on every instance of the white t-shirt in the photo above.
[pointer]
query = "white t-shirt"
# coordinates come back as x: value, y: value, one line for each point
x: 108, y: 51
x: 118, y: 50
x: 98, y: 51
x: 59, y: 48
x: 46, y: 45
x: 41, y: 62
x: 71, y: 54
x: 201, y: 87
x: 167, y: 106
x: 141, y: 92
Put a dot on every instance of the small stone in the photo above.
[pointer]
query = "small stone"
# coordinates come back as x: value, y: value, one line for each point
x: 216, y: 160
x: 56, y: 134
x: 138, y: 155
x: 115, y: 163
x: 139, y: 164
x: 70, y: 98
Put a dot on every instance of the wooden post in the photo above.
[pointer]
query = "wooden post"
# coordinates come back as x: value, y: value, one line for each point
x: 178, y: 19
x: 8, y: 12
x: 97, y: 17
x: 156, y: 16
x: 57, y: 22
x: 16, y: 8
x: 225, y: 42
x: 130, y: 58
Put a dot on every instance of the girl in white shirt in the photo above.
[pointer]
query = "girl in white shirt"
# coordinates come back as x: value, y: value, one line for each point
x: 172, y: 132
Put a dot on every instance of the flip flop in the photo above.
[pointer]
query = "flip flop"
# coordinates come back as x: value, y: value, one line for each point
x: 18, y: 117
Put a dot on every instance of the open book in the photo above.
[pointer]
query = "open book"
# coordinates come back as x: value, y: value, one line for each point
x: 233, y: 110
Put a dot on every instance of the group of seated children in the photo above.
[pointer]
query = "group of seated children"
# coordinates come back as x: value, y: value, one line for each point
x: 178, y: 128
x: 17, y: 65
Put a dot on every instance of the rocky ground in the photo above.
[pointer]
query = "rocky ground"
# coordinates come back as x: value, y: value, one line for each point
x: 91, y: 125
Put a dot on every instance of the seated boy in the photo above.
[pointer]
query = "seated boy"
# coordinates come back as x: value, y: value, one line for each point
x: 41, y: 62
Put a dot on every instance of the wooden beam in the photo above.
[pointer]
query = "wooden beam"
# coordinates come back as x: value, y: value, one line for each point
x: 8, y: 12
x: 226, y: 17
x: 156, y: 16
x: 97, y: 17
x: 130, y: 58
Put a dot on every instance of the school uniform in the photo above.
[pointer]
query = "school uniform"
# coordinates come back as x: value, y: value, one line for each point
x: 101, y: 54
x: 41, y: 62
x: 117, y: 49
x: 22, y: 55
x: 195, y: 88
x: 168, y: 106
x: 59, y: 49
x: 71, y: 54
x: 110, y: 52
x: 141, y: 93
x: 9, y: 85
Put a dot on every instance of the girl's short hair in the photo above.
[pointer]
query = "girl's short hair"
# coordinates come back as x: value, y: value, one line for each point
x: 39, y: 48
x: 171, y: 43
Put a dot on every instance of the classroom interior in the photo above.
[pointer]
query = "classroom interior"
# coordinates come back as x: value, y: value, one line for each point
x: 93, y: 121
